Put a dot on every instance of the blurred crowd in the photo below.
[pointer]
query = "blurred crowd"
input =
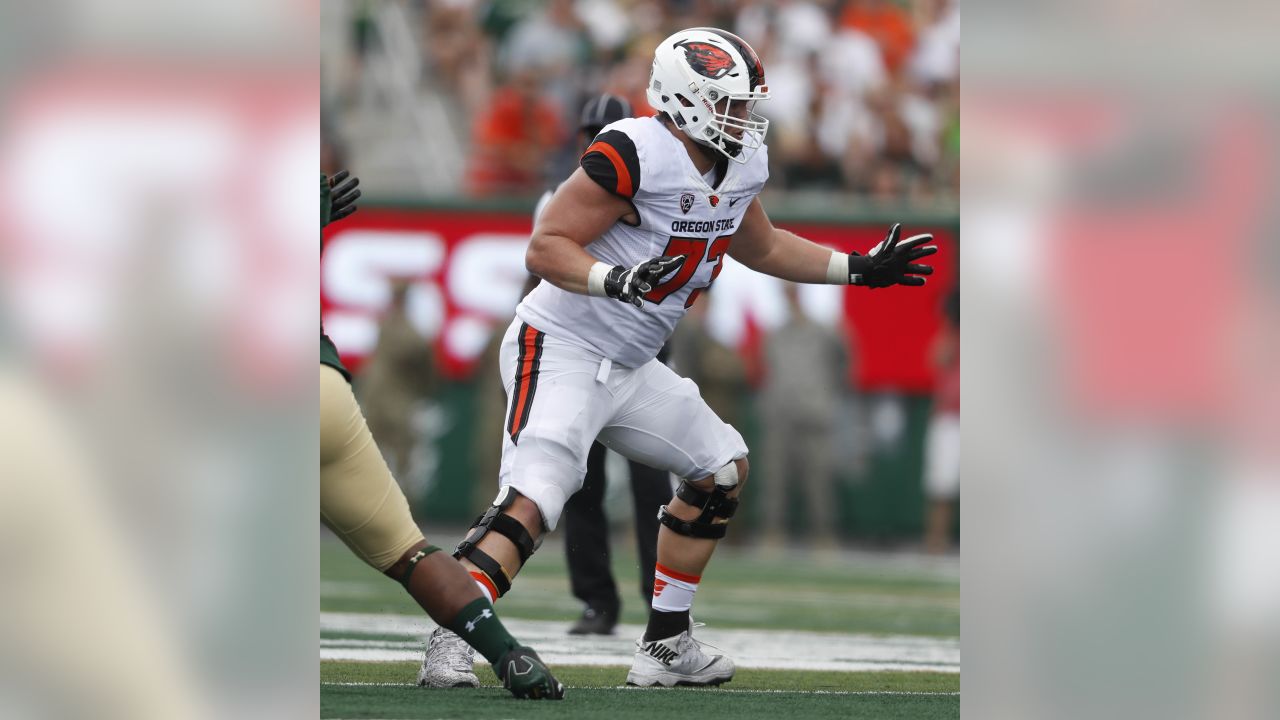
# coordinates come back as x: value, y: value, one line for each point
x: 865, y: 93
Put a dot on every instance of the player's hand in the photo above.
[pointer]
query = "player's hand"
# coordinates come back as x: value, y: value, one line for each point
x: 344, y: 195
x: 630, y: 284
x: 892, y: 262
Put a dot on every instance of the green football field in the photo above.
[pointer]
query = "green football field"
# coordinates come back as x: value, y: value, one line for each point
x: 850, y: 635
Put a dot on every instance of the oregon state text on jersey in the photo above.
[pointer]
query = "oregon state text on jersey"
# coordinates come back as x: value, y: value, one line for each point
x: 680, y: 214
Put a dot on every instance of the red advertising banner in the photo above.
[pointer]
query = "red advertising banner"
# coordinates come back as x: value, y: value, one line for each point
x: 466, y: 270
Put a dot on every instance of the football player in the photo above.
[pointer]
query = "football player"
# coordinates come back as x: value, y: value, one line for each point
x: 625, y: 246
x: 362, y: 504
x: 586, y: 532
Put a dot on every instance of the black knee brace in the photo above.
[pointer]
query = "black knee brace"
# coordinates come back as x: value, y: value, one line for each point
x: 714, y: 504
x: 505, y: 525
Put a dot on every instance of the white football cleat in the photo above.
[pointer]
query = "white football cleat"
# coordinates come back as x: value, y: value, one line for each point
x: 677, y: 660
x: 448, y: 661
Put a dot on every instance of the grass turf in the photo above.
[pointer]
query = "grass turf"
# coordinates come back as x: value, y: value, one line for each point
x: 345, y: 671
x: 848, y: 595
x: 595, y: 692
x: 740, y: 591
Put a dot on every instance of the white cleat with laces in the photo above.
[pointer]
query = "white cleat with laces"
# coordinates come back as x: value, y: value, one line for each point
x: 448, y: 661
x: 677, y: 660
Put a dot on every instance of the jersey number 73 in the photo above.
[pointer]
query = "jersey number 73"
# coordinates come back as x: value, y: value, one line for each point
x: 693, y: 250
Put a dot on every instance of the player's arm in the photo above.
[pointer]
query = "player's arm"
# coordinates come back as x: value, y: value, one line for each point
x: 578, y: 213
x: 777, y: 252
x: 781, y: 253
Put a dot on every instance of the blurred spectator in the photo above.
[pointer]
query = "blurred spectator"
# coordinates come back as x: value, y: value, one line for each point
x: 364, y: 33
x: 551, y: 38
x: 799, y: 156
x: 854, y: 81
x: 514, y: 139
x: 942, y: 444
x: 459, y: 53
x: 554, y: 42
x: 886, y: 23
x: 605, y: 22
x: 363, y: 39
x: 936, y: 58
x: 497, y: 17
x: 629, y: 78
x: 785, y: 30
x: 923, y: 120
x: 396, y: 378
x: 807, y: 367
x: 886, y: 181
x: 929, y: 108
x: 332, y: 157
x: 718, y: 369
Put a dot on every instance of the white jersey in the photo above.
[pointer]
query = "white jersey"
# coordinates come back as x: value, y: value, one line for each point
x: 680, y: 214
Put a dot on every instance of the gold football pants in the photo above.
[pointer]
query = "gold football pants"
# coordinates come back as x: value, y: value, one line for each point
x: 359, y: 499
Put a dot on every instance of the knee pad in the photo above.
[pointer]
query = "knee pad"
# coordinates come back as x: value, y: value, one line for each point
x: 714, y: 504
x: 494, y: 520
x: 727, y: 476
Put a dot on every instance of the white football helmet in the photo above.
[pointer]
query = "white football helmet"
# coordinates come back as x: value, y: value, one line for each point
x: 708, y: 81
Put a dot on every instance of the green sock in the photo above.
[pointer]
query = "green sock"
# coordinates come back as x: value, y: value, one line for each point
x: 479, y: 625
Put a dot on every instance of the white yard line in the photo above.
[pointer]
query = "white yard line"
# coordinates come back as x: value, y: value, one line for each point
x: 718, y: 689
x: 402, y: 636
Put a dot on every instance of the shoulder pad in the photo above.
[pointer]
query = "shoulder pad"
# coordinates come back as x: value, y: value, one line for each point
x: 611, y: 161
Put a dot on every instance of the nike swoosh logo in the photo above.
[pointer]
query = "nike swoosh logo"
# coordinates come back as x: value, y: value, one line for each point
x: 734, y: 201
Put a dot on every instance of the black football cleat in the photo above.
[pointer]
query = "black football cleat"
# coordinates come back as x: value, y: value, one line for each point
x: 595, y: 622
x: 524, y: 674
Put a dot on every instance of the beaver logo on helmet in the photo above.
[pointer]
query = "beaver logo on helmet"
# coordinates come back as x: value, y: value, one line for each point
x: 707, y: 59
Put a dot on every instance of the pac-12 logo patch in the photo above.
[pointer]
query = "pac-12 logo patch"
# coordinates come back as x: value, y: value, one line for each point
x: 686, y: 202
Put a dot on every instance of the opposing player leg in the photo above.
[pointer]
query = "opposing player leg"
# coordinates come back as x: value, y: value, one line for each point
x: 361, y: 502
x: 667, y: 425
x: 555, y: 408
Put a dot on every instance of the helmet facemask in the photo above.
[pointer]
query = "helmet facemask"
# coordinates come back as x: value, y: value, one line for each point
x: 734, y: 125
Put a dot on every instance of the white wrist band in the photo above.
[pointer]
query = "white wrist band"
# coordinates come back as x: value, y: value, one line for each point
x: 595, y: 279
x: 838, y: 269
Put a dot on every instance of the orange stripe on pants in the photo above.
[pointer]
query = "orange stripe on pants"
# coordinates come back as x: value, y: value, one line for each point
x: 529, y: 353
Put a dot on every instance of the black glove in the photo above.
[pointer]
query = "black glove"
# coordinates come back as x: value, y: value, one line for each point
x: 629, y: 284
x: 891, y: 262
x: 344, y: 195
